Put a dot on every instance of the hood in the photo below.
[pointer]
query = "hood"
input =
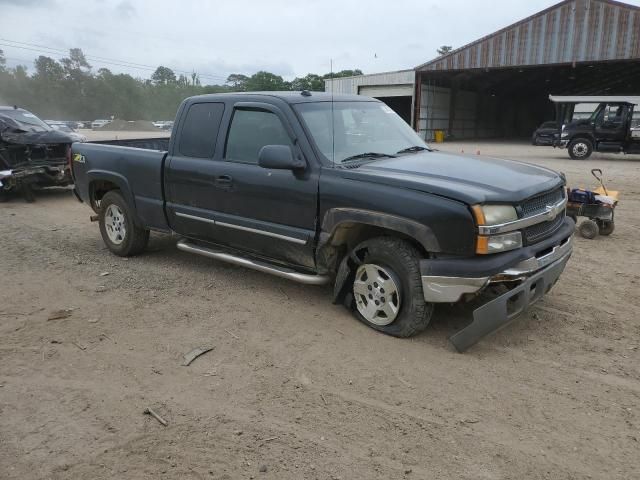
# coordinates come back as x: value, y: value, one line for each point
x: 467, y: 178
x: 20, y: 137
x: 14, y: 132
x: 584, y: 122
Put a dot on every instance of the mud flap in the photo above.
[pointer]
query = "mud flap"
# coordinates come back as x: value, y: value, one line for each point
x: 501, y: 311
x: 347, y: 267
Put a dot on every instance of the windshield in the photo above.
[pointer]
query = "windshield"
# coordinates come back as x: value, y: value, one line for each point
x: 28, y: 121
x: 359, y: 128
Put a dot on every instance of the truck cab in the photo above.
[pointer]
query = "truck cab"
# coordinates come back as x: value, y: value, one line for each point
x: 614, y: 125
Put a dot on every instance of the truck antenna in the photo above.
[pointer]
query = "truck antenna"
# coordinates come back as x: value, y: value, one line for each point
x: 333, y: 131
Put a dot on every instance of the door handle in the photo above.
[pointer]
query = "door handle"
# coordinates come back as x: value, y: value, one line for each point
x: 224, y: 180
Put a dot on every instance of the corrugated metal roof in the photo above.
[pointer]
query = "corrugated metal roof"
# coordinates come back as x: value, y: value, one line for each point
x: 571, y: 31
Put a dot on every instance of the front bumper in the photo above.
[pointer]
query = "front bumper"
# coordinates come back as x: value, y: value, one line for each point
x: 502, y: 310
x: 533, y: 270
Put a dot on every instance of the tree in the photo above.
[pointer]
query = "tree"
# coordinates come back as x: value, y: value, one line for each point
x: 310, y: 82
x: 343, y: 73
x: 163, y: 76
x: 265, y: 81
x: 237, y: 81
x: 76, y: 63
x: 3, y: 61
x: 444, y: 49
x: 48, y: 70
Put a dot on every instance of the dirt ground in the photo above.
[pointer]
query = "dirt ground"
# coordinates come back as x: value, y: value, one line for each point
x: 295, y: 388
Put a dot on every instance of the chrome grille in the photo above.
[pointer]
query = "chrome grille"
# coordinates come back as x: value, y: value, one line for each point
x: 539, y: 204
x: 540, y: 231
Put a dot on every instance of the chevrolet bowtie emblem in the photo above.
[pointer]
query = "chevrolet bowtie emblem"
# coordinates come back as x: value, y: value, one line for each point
x: 550, y: 212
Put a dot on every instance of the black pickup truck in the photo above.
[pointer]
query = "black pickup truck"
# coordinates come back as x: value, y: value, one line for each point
x: 321, y: 189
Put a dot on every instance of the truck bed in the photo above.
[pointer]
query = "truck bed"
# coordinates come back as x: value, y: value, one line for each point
x: 136, y: 171
x: 154, y: 143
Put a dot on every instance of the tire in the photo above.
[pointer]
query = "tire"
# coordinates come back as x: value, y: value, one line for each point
x: 606, y: 227
x: 589, y: 229
x: 580, y: 148
x: 119, y: 232
x: 391, y: 262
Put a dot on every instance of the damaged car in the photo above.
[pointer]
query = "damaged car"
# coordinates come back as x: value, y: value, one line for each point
x: 32, y: 154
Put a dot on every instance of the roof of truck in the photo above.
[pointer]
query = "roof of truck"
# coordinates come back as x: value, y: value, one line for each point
x: 294, y: 97
x: 632, y: 99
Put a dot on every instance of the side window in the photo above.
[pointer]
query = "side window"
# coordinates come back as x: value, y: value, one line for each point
x: 250, y: 131
x: 614, y: 114
x: 200, y: 130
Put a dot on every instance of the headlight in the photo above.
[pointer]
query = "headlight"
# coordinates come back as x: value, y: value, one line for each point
x: 494, y: 214
x: 489, y: 215
x: 499, y: 243
x: 564, y: 135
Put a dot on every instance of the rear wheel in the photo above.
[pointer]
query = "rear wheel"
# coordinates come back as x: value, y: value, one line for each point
x: 119, y: 232
x: 387, y: 287
x: 589, y: 229
x: 580, y: 148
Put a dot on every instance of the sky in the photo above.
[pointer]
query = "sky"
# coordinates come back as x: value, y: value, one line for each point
x: 216, y: 38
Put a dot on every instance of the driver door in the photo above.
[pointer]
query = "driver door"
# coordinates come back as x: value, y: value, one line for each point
x: 611, y: 123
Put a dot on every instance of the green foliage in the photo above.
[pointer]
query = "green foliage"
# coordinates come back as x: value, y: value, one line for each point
x: 163, y: 76
x: 70, y: 89
x: 444, y: 49
x: 262, y: 81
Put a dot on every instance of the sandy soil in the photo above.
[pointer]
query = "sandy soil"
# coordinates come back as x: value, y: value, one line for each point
x: 294, y: 386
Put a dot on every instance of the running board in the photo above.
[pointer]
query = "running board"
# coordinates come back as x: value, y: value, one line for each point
x: 278, y: 271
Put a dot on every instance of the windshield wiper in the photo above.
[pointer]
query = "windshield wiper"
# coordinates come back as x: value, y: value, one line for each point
x: 367, y: 155
x: 416, y: 148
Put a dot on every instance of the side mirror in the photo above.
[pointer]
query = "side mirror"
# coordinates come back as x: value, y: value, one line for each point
x: 279, y: 157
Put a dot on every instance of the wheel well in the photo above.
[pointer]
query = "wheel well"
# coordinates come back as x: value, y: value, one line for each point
x: 348, y: 235
x: 97, y: 190
x: 582, y: 137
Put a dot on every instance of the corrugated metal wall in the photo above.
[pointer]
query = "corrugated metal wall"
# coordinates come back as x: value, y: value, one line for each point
x: 474, y: 114
x: 350, y: 85
x: 574, y: 31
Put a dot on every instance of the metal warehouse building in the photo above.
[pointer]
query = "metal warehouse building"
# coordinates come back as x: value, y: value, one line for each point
x: 498, y: 86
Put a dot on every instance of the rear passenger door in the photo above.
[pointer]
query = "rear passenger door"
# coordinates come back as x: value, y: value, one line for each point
x: 191, y: 172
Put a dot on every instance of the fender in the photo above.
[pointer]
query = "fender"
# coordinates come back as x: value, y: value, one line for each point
x: 336, y: 217
x: 116, y: 179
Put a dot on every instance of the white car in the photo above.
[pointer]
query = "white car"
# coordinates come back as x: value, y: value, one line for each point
x: 99, y: 123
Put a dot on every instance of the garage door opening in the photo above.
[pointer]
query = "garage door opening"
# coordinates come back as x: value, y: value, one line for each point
x: 400, y: 105
x: 511, y: 103
x: 397, y: 97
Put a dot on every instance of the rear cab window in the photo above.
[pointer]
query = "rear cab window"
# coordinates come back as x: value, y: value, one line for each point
x: 200, y: 130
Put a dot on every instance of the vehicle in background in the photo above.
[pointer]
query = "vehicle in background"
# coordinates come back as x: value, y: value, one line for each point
x: 64, y: 127
x: 319, y: 188
x: 163, y: 125
x: 32, y: 154
x: 545, y: 134
x: 614, y: 125
x: 99, y: 124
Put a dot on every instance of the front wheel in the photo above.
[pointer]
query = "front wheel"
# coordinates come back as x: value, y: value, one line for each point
x: 589, y: 229
x: 119, y: 232
x: 387, y: 287
x: 580, y: 148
